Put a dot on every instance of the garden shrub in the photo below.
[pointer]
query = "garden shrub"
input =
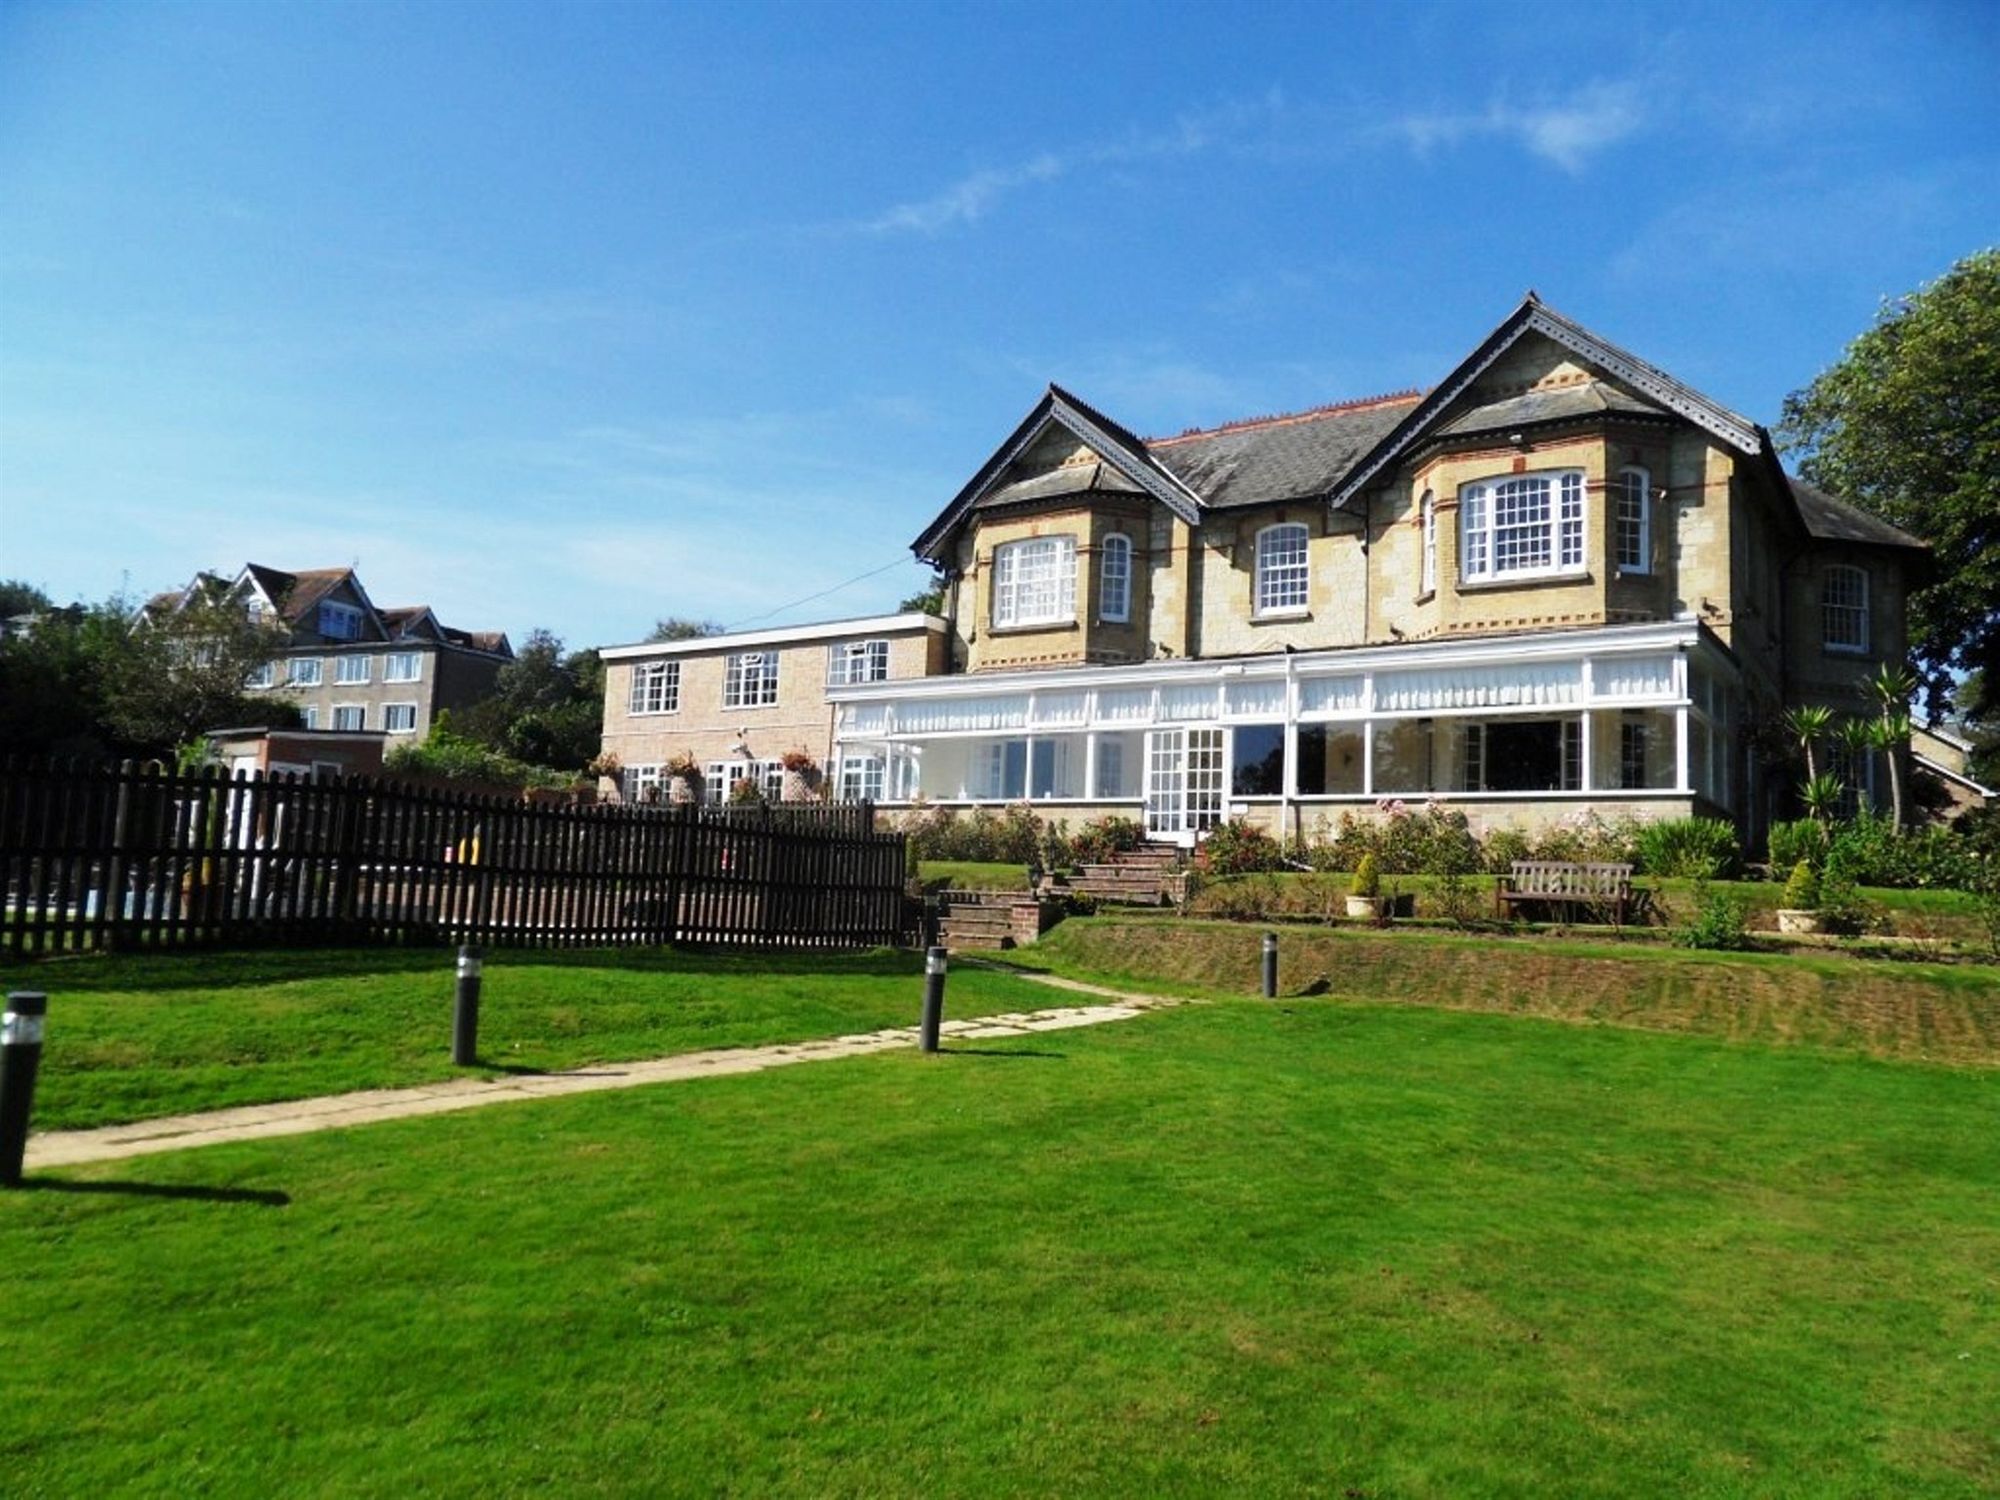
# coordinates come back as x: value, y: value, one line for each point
x: 1585, y: 838
x: 1689, y: 848
x: 1801, y: 839
x: 1239, y: 848
x: 1802, y: 890
x: 1098, y: 840
x: 1367, y: 878
x: 1719, y: 922
x: 1504, y: 846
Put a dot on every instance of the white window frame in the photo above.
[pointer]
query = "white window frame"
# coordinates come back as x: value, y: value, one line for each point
x: 350, y: 669
x: 1034, y: 582
x: 392, y: 673
x: 1632, y: 519
x: 852, y: 663
x: 264, y: 677
x: 389, y: 715
x: 305, y: 671
x: 361, y: 709
x: 346, y: 616
x: 1114, y: 579
x: 719, y: 776
x: 309, y: 716
x: 863, y: 778
x: 1852, y: 612
x: 1282, y: 584
x: 750, y: 679
x: 635, y: 781
x: 1559, y: 533
x: 656, y: 689
x: 1633, y: 744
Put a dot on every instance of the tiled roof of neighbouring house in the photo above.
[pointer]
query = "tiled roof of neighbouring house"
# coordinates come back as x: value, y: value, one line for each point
x: 1832, y: 519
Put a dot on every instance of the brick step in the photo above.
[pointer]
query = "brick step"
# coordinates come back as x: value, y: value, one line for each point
x: 1123, y: 872
x: 991, y: 942
x: 997, y: 922
x: 1123, y: 896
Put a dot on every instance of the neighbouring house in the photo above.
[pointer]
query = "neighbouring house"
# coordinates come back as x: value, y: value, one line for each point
x: 351, y: 666
x: 1945, y: 760
x: 302, y: 752
x: 736, y: 704
x: 1559, y: 579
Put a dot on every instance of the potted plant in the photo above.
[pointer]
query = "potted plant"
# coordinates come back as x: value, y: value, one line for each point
x: 1800, y: 911
x: 683, y: 778
x: 801, y: 779
x: 1364, y: 894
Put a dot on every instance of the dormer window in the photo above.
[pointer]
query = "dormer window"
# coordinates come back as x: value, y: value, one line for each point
x: 1114, y: 595
x: 1284, y: 571
x: 1521, y: 526
x: 1034, y: 582
x: 339, y: 622
x: 1632, y: 500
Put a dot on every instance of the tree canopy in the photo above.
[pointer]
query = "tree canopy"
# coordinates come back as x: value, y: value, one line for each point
x: 546, y: 708
x: 674, y: 628
x: 1907, y: 425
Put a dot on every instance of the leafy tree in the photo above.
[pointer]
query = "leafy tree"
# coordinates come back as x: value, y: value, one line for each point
x: 20, y: 598
x: 546, y: 709
x: 169, y: 676
x: 52, y: 687
x: 929, y: 602
x: 674, y: 628
x: 1907, y: 425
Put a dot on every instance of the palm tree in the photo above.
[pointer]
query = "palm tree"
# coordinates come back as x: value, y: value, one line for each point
x: 1856, y: 737
x: 1891, y: 735
x: 1808, y: 723
x: 1893, y: 686
x: 1821, y: 795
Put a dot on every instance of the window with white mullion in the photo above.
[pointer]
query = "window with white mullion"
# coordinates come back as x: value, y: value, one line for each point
x: 1844, y: 609
x: 1430, y: 543
x: 1633, y: 500
x: 1284, y: 570
x: 750, y: 680
x: 1115, y: 592
x: 852, y: 662
x: 1034, y: 581
x: 656, y: 688
x: 1522, y: 525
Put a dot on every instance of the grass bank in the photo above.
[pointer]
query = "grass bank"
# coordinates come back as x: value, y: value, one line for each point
x: 130, y: 1038
x: 1233, y: 1249
x: 1934, y: 1012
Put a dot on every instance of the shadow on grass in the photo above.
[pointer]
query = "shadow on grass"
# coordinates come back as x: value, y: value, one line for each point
x: 262, y: 1197
x: 999, y: 1052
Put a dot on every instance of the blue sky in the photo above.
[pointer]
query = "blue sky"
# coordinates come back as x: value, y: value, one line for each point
x: 578, y: 315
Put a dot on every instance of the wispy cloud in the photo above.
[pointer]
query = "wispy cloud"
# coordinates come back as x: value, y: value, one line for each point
x: 1567, y: 133
x: 973, y: 196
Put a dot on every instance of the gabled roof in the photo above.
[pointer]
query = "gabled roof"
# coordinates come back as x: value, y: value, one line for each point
x: 404, y: 621
x: 1280, y: 458
x: 1118, y: 448
x: 1532, y: 317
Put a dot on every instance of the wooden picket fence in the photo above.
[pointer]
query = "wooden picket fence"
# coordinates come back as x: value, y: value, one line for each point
x: 142, y: 857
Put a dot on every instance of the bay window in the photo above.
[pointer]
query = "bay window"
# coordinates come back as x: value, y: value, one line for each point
x: 1632, y: 497
x: 1521, y: 525
x: 1034, y: 581
x: 1115, y: 583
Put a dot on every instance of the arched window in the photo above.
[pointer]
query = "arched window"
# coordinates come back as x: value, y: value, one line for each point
x: 1114, y: 595
x: 1843, y: 609
x: 1428, y: 508
x: 1632, y: 497
x: 1283, y: 572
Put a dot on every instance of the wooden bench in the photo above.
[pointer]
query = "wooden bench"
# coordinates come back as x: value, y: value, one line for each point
x: 1561, y: 885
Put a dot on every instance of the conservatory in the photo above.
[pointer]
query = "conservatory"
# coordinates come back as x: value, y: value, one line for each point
x: 1622, y: 714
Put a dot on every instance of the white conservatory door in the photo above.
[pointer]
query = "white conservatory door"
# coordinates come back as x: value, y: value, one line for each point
x: 1184, y: 777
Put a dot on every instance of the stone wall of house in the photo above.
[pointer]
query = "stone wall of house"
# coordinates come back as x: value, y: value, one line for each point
x: 1819, y: 674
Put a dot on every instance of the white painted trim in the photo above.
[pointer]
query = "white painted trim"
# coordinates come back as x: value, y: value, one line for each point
x: 786, y: 635
x: 415, y: 714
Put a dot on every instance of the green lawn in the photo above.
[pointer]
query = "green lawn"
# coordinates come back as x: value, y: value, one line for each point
x: 133, y: 1038
x: 972, y: 875
x: 1306, y: 1248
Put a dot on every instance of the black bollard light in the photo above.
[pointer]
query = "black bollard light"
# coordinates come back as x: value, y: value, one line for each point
x: 465, y: 1014
x: 1270, y: 966
x: 933, y: 998
x: 20, y: 1060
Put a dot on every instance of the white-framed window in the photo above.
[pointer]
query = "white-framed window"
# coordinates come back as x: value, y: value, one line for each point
x: 851, y: 662
x: 1843, y: 609
x: 1110, y: 767
x: 640, y: 784
x: 861, y: 778
x: 306, y: 671
x: 350, y: 716
x: 339, y: 622
x: 1632, y: 504
x: 721, y: 777
x: 1572, y: 754
x: 265, y: 676
x: 1631, y: 753
x: 403, y: 666
x: 1521, y: 525
x: 656, y: 688
x: 1034, y: 581
x: 1114, y: 584
x: 350, y: 668
x: 750, y: 679
x: 1472, y: 768
x: 1284, y: 570
x: 309, y: 716
x: 399, y: 718
x: 1429, y: 516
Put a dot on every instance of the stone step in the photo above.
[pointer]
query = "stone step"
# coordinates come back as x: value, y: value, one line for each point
x: 998, y: 922
x: 993, y: 942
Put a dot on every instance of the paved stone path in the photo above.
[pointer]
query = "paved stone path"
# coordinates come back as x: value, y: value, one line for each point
x: 64, y: 1148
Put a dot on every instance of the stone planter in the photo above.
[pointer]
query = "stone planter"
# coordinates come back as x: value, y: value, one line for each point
x: 799, y: 786
x: 1798, y: 923
x: 1365, y: 908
